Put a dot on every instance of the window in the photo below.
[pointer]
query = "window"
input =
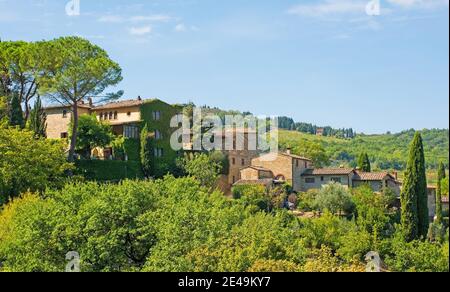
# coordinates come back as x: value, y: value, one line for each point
x: 64, y: 114
x: 110, y: 115
x: 115, y: 115
x: 158, y: 152
x: 310, y: 180
x: 296, y: 163
x: 128, y: 113
x: 306, y: 164
x: 64, y: 135
x: 233, y: 161
x: 156, y: 115
x: 158, y: 135
x: 101, y: 116
x: 336, y: 179
x: 234, y: 179
x: 131, y: 131
x: 322, y: 178
x: 243, y: 162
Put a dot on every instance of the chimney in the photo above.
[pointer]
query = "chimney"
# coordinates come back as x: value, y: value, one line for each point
x: 139, y: 98
x: 395, y: 174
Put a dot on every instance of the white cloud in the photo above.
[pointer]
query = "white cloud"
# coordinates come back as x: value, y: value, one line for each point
x: 180, y: 27
x: 111, y: 18
x: 329, y: 7
x: 153, y: 18
x: 136, y: 18
x: 419, y: 3
x: 140, y: 31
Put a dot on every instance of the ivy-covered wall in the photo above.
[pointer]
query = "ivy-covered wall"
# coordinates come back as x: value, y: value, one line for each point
x: 161, y: 165
x: 109, y: 170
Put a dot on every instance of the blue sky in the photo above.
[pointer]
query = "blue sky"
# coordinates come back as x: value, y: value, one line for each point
x: 325, y: 61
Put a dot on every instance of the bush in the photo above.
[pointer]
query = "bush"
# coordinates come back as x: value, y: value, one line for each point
x: 307, y: 200
x: 334, y: 198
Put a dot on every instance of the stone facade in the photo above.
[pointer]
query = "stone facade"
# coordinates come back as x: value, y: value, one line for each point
x: 285, y: 167
x: 58, y: 120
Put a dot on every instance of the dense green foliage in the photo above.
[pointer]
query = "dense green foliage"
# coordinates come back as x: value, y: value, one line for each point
x: 91, y: 133
x: 335, y: 199
x: 289, y: 124
x: 414, y: 203
x: 146, y: 151
x: 441, y: 176
x: 177, y: 225
x: 204, y: 169
x: 157, y: 115
x: 388, y: 151
x: 108, y: 170
x: 38, y: 120
x: 15, y: 114
x: 29, y: 164
x: 75, y: 70
x: 128, y: 147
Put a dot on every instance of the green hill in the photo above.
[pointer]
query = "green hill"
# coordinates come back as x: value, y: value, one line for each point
x: 386, y: 151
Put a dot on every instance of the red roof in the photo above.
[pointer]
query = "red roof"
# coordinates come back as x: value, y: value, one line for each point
x: 372, y: 176
x: 328, y: 171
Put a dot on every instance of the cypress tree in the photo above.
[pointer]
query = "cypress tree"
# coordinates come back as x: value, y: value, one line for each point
x: 367, y: 166
x: 15, y: 112
x: 146, y: 151
x: 441, y: 176
x: 414, y: 214
x: 364, y: 162
x: 38, y: 119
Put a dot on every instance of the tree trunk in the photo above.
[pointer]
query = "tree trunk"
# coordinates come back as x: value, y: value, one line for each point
x: 73, y: 139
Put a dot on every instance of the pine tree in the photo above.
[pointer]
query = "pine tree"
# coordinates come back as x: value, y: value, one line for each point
x: 414, y: 201
x: 15, y: 112
x: 441, y: 176
x: 38, y: 120
x: 146, y: 151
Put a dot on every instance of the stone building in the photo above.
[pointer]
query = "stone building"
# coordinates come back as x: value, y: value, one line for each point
x: 126, y: 119
x: 285, y: 167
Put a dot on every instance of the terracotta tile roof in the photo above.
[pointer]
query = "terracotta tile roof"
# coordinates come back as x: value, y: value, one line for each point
x: 328, y: 171
x: 257, y: 168
x: 60, y: 106
x: 262, y: 182
x: 295, y: 156
x: 371, y: 176
x: 120, y: 104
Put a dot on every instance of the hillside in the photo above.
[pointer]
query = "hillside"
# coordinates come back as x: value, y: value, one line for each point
x: 386, y: 151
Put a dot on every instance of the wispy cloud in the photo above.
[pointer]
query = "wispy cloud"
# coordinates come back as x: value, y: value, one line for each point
x: 135, y: 18
x: 427, y: 4
x: 329, y: 7
x: 140, y: 31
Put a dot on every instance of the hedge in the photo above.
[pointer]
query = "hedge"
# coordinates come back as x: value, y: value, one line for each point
x: 108, y: 170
